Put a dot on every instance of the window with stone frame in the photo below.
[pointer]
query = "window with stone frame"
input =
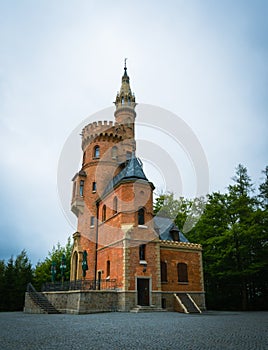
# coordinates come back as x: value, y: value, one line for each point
x: 141, y: 214
x: 108, y: 268
x: 142, y: 249
x: 163, y: 271
x: 115, y: 205
x: 96, y: 153
x: 182, y: 272
x: 81, y: 189
x: 104, y: 213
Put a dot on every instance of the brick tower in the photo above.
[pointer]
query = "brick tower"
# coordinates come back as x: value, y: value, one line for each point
x: 113, y: 201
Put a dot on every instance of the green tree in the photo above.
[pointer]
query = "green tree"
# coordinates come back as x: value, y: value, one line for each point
x: 2, y: 283
x: 42, y: 273
x: 233, y: 232
x: 263, y: 190
x: 23, y: 275
x: 15, y: 278
x: 184, y: 212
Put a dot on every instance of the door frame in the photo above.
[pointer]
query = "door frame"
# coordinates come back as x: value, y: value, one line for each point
x: 150, y: 288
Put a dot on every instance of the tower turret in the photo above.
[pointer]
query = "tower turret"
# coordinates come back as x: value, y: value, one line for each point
x: 125, y: 102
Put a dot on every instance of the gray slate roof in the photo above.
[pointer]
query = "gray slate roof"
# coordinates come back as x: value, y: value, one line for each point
x: 165, y: 226
x: 133, y: 170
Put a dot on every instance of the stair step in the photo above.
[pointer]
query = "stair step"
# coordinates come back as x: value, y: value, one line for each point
x: 146, y: 309
x: 188, y: 303
x: 40, y: 300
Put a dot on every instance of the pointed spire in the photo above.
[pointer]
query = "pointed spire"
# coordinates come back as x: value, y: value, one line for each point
x: 125, y: 97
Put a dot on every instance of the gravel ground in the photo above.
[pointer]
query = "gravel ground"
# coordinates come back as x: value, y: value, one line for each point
x: 158, y: 330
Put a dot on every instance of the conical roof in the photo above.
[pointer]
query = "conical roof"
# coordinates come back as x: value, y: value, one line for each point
x: 125, y: 97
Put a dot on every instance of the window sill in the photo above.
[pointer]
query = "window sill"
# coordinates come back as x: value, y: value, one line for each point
x: 143, y: 262
x: 93, y: 191
x: 92, y: 226
x: 164, y: 282
x: 142, y: 226
x: 183, y: 282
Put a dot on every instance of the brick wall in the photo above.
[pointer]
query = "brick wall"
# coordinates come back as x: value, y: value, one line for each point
x: 173, y: 256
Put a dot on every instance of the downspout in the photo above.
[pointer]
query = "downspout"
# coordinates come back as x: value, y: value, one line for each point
x: 96, y: 245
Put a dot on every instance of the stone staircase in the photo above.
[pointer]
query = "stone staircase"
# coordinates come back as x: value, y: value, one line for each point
x: 188, y: 304
x: 41, y: 301
x: 151, y: 308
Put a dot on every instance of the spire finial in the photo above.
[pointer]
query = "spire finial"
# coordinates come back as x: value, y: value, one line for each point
x: 125, y: 67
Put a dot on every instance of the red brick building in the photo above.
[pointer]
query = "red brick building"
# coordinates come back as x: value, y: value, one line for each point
x: 149, y: 261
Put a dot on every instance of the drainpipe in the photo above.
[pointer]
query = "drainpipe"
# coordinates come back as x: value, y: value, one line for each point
x: 96, y: 246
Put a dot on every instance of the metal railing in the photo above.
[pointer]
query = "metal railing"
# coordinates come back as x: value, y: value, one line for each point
x: 80, y: 285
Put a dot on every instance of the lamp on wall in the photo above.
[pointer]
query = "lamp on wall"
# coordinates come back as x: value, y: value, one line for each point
x: 144, y: 264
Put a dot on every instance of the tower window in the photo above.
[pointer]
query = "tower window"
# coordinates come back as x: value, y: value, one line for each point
x: 142, y: 251
x: 141, y: 220
x: 96, y: 153
x: 182, y: 272
x: 104, y: 213
x: 108, y: 268
x: 114, y: 152
x: 92, y: 221
x: 115, y: 205
x: 94, y: 186
x: 163, y: 271
x: 81, y: 189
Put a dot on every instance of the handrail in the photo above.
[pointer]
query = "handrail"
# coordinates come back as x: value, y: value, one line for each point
x: 104, y: 284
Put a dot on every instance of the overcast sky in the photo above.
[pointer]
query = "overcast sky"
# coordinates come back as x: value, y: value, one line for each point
x: 62, y: 61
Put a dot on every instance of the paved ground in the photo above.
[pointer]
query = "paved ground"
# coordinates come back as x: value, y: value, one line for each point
x: 165, y: 330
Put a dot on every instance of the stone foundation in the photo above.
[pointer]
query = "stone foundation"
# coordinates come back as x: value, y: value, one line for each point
x: 94, y: 301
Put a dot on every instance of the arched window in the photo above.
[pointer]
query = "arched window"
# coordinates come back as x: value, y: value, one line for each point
x: 182, y: 272
x: 108, y: 268
x: 96, y: 153
x: 94, y: 186
x: 163, y: 271
x: 141, y: 220
x: 114, y: 152
x: 81, y: 189
x: 115, y: 205
x: 104, y: 213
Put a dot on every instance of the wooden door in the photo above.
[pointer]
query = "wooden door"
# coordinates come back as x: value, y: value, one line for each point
x: 143, y: 289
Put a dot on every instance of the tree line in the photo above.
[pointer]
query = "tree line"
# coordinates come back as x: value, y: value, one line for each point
x: 16, y: 273
x: 232, y: 228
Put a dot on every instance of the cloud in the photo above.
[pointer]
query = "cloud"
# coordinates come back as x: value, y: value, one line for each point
x: 61, y: 62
